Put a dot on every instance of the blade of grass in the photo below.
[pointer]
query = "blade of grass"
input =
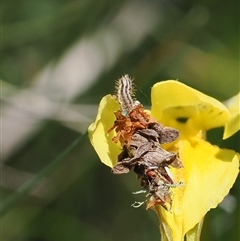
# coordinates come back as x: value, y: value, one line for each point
x: 13, y: 199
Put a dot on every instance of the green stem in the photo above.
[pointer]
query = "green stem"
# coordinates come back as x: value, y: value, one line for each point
x: 192, y: 235
x: 164, y: 234
x: 195, y: 233
x: 12, y: 200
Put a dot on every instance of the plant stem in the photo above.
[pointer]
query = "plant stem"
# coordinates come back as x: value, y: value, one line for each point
x: 195, y: 233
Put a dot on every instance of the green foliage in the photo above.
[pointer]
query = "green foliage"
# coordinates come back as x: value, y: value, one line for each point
x: 59, y: 59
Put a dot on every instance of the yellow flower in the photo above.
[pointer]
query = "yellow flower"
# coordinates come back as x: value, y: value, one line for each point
x: 233, y: 124
x: 209, y: 172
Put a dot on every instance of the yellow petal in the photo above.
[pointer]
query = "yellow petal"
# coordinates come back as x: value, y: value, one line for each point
x: 208, y: 175
x: 99, y: 138
x: 233, y: 124
x: 188, y: 110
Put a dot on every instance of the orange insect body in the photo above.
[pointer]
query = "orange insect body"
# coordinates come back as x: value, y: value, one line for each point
x: 126, y: 126
x: 132, y: 116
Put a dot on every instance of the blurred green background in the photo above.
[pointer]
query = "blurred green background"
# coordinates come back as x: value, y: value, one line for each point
x: 59, y: 58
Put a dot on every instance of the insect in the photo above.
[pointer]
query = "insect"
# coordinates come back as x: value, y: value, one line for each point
x: 141, y: 136
x: 124, y: 94
x: 132, y: 116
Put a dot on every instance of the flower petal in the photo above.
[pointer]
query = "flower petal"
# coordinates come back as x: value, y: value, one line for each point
x: 233, y: 124
x: 207, y: 176
x: 99, y: 138
x: 185, y: 108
